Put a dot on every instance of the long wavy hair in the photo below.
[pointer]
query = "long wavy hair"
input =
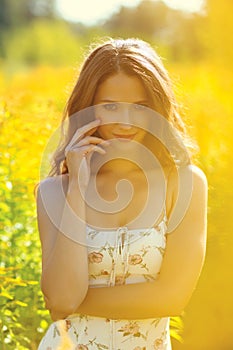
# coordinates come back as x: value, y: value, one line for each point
x: 132, y: 57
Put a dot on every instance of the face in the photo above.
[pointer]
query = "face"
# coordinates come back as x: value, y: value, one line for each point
x: 121, y: 103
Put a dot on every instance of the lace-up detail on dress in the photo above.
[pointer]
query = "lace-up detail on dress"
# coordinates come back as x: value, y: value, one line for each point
x: 121, y: 249
x: 125, y: 255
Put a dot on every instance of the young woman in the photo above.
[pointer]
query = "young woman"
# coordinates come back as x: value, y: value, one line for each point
x: 122, y: 216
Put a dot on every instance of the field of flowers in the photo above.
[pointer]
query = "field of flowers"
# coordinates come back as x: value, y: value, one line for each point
x: 31, y: 104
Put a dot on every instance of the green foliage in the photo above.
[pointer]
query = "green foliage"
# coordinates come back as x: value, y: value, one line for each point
x: 22, y: 313
x: 173, y: 31
x: 17, y: 13
x: 31, y: 32
x: 44, y: 42
x: 21, y: 304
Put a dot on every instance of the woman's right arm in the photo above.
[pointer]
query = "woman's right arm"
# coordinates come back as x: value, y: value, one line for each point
x: 64, y: 280
x: 62, y: 226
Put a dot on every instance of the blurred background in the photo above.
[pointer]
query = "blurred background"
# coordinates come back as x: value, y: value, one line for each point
x: 42, y: 44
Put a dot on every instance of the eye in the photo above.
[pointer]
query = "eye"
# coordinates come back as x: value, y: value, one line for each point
x: 140, y: 107
x: 110, y: 106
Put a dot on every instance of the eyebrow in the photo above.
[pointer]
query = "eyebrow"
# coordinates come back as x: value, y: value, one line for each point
x: 113, y: 101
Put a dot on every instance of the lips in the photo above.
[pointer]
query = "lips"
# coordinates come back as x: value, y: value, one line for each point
x: 125, y: 136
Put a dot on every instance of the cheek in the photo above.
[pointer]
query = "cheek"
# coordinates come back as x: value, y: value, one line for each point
x: 141, y: 135
x: 105, y: 132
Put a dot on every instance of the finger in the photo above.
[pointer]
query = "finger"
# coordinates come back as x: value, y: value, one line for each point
x: 90, y: 127
x: 94, y: 149
x: 86, y: 149
x: 86, y: 142
x: 92, y: 140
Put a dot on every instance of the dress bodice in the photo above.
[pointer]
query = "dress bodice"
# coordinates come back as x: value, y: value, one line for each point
x: 124, y: 256
x: 120, y: 256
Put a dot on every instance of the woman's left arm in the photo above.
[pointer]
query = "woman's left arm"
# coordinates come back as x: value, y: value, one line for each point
x: 181, y: 267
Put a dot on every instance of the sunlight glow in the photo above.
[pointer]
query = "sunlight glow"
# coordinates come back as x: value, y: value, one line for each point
x: 189, y: 5
x: 91, y: 11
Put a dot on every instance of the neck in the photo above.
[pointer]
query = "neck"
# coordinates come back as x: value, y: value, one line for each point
x: 119, y: 167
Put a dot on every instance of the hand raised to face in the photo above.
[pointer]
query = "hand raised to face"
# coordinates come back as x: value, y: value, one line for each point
x: 79, y: 151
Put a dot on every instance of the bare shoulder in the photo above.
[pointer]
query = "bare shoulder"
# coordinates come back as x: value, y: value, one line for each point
x: 51, y: 194
x: 199, y: 187
x: 194, y: 177
x: 50, y: 204
x: 198, y: 176
x: 188, y: 189
x: 186, y: 176
x: 53, y: 182
x: 54, y: 185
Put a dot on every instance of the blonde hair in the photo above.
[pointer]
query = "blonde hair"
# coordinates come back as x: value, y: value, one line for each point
x: 133, y: 57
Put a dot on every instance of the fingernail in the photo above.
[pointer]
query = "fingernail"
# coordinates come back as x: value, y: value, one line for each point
x: 105, y: 142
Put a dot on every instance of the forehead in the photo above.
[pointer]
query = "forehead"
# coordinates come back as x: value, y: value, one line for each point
x: 121, y: 87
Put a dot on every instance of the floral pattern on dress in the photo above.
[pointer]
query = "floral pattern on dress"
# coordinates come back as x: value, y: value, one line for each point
x: 95, y: 257
x: 138, y: 260
x: 135, y: 259
x: 131, y: 329
x: 128, y: 334
x: 113, y: 262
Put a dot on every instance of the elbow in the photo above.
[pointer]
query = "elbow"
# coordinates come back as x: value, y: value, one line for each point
x: 173, y: 300
x: 176, y: 310
x: 61, y: 307
x: 172, y: 308
x: 179, y: 303
x: 60, y: 311
x: 62, y: 303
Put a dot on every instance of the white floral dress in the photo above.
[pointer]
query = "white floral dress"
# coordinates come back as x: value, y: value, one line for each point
x: 116, y: 257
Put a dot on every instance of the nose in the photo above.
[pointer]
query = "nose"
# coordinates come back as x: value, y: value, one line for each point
x: 125, y: 119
